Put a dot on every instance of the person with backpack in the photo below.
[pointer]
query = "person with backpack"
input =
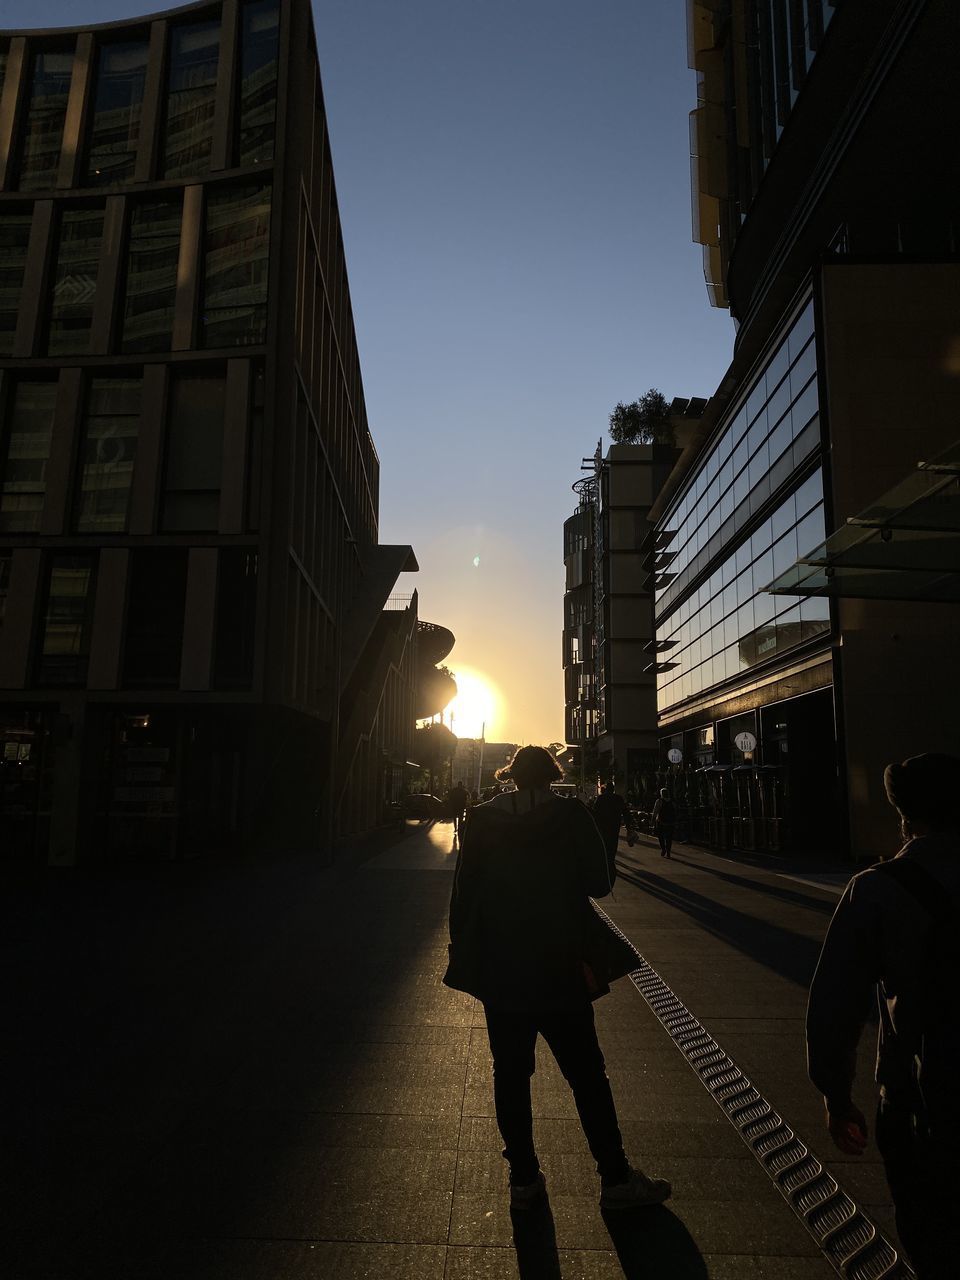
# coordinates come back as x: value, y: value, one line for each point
x: 895, y: 932
x: 664, y: 820
x: 526, y: 941
x: 610, y: 811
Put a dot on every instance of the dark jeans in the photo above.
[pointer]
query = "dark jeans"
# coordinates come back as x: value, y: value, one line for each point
x: 572, y: 1038
x: 924, y: 1178
x: 665, y: 836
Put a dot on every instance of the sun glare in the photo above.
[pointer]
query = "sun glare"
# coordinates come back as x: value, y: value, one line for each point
x: 476, y: 705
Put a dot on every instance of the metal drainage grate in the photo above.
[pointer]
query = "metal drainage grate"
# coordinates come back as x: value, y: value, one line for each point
x: 847, y: 1237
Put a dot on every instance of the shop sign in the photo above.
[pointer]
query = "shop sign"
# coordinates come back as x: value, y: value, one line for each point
x: 745, y: 742
x: 675, y: 755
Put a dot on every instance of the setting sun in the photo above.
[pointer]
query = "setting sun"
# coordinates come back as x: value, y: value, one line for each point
x: 476, y: 705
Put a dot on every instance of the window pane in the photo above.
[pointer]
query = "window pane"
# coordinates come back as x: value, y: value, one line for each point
x: 107, y: 452
x: 236, y: 616
x: 191, y: 95
x: 258, y: 81
x: 14, y: 235
x: 236, y: 249
x: 28, y: 435
x: 121, y: 71
x: 191, y: 499
x: 75, y: 281
x: 152, y: 252
x: 45, y: 112
x: 6, y: 560
x: 65, y: 639
x: 154, y: 632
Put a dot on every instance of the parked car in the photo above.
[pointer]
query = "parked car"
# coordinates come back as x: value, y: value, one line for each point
x: 421, y: 805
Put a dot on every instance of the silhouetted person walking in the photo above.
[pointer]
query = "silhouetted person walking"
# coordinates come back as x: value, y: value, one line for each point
x: 664, y: 821
x: 895, y: 931
x: 610, y: 812
x: 519, y: 927
x: 457, y: 798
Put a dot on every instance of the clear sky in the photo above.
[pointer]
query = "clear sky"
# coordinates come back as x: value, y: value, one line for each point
x: 514, y: 186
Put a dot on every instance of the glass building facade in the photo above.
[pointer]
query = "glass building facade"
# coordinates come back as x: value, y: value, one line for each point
x: 752, y: 505
x: 187, y: 478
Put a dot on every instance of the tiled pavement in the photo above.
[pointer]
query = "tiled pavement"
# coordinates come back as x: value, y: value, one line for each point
x: 253, y: 1073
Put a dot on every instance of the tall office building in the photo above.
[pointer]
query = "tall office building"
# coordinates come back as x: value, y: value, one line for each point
x: 609, y: 644
x: 195, y: 648
x: 827, y: 206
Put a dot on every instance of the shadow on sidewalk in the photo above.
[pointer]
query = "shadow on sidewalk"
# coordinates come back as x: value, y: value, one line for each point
x: 188, y: 1039
x: 787, y: 952
x: 653, y: 1242
x: 535, y: 1240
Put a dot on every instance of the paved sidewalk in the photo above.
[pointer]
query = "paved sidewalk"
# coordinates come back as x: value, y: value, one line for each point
x: 253, y: 1072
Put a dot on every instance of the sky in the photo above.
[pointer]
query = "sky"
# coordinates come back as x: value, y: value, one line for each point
x: 514, y: 187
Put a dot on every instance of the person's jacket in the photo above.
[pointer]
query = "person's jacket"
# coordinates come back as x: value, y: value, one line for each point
x: 528, y: 863
x: 878, y: 942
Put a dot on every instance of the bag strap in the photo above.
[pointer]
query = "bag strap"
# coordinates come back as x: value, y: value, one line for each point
x: 923, y: 887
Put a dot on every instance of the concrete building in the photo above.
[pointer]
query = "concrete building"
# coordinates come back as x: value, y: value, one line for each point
x: 195, y: 652
x: 828, y: 212
x: 609, y: 651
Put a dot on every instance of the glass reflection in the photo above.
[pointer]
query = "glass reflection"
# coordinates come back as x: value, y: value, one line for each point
x: 236, y: 253
x: 153, y: 249
x: 14, y: 237
x: 65, y: 637
x: 74, y: 281
x: 115, y: 131
x: 28, y: 436
x: 46, y: 110
x: 258, y: 81
x: 191, y: 98
x: 107, y: 453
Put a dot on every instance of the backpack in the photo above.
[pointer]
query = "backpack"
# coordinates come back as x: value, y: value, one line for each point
x: 937, y: 1048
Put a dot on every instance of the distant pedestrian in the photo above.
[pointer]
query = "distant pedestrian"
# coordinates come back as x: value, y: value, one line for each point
x: 520, y: 933
x: 457, y: 798
x: 611, y: 812
x: 664, y: 821
x: 895, y: 931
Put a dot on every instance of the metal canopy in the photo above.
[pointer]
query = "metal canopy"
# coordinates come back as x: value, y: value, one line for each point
x: 905, y: 546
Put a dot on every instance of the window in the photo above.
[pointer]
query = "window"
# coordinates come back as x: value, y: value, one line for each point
x: 258, y: 81
x: 236, y: 251
x: 107, y: 452
x: 236, y: 618
x: 155, y: 611
x: 14, y: 237
x: 28, y: 436
x: 153, y: 249
x: 75, y: 281
x: 65, y: 636
x: 6, y: 560
x: 46, y: 109
x: 191, y: 497
x: 191, y: 98
x: 121, y: 72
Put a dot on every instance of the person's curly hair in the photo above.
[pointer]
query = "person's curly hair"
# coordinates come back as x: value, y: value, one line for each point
x: 530, y: 767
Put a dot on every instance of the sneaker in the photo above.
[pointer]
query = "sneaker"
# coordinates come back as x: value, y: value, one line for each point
x: 638, y: 1190
x: 525, y: 1194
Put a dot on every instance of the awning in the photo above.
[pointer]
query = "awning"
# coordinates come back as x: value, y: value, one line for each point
x: 906, y: 546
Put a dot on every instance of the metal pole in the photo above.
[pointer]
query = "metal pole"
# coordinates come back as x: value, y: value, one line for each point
x: 483, y: 731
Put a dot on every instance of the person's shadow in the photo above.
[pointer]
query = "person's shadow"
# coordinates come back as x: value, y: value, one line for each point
x: 651, y: 1243
x: 535, y: 1240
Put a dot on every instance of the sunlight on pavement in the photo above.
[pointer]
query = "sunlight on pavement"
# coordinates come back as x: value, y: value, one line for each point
x: 428, y: 846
